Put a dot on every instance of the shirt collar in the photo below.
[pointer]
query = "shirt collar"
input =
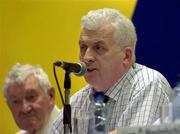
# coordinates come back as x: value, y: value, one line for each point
x: 124, y: 81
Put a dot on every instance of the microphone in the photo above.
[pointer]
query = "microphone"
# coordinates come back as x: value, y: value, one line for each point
x: 78, y: 69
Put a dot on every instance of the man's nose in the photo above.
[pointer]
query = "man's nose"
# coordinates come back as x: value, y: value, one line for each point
x: 26, y: 107
x: 88, y: 56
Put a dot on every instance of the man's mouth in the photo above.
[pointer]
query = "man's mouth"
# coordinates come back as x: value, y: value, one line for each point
x: 91, y: 69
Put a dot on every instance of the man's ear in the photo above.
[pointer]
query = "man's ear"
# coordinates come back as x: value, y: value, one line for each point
x: 7, y: 102
x: 51, y: 95
x: 128, y: 57
x: 7, y: 99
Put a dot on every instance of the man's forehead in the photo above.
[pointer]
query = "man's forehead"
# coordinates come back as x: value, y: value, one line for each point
x: 22, y: 88
x: 106, y: 32
x: 31, y: 83
x: 31, y: 80
x: 31, y: 77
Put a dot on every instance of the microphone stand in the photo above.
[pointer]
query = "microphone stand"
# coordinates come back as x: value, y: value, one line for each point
x: 67, y: 106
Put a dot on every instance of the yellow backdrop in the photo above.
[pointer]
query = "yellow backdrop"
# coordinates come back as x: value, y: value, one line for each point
x: 41, y: 32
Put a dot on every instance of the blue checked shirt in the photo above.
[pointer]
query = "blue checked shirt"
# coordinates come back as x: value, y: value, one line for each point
x: 134, y: 100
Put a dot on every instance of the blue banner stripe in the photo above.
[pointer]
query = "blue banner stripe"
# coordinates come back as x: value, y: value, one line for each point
x: 158, y: 27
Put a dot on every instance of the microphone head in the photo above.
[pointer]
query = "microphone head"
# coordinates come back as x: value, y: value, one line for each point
x: 82, y: 70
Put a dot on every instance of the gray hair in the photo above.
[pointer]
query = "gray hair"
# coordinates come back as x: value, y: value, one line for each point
x: 20, y: 72
x: 125, y: 34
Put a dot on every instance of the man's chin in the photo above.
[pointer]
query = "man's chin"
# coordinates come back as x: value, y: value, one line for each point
x: 90, y: 78
x: 31, y: 125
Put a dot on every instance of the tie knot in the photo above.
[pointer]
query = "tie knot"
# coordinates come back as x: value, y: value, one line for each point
x: 100, y: 96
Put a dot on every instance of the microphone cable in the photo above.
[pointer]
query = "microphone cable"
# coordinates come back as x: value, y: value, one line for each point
x: 59, y: 89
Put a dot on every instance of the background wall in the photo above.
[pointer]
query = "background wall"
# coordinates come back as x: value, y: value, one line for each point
x: 42, y: 32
